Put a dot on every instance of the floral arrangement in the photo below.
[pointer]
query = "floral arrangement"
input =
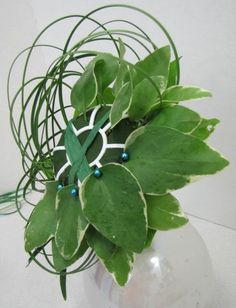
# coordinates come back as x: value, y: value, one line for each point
x: 107, y: 170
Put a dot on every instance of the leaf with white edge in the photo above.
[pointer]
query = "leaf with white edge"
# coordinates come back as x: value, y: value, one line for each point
x: 121, y: 104
x: 122, y: 49
x: 117, y: 261
x: 205, y: 128
x: 150, y: 236
x: 122, y: 71
x: 120, y: 78
x: 42, y: 222
x: 185, y: 120
x: 155, y: 64
x: 165, y: 159
x: 172, y: 78
x: 146, y: 97
x: 177, y: 94
x: 164, y: 212
x: 178, y: 117
x: 114, y: 205
x: 105, y: 69
x: 84, y: 91
x: 60, y: 263
x: 71, y: 223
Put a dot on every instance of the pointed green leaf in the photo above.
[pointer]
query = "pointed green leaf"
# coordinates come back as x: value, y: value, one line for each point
x: 121, y: 48
x: 76, y: 155
x: 120, y: 78
x: 121, y: 104
x: 172, y: 78
x: 155, y: 64
x: 84, y: 91
x: 117, y: 261
x: 71, y: 223
x: 42, y: 222
x: 145, y: 97
x: 164, y: 159
x: 105, y: 69
x: 184, y: 93
x: 63, y: 284
x: 114, y: 204
x: 150, y: 236
x: 164, y: 212
x: 123, y: 70
x: 185, y: 120
x: 60, y: 263
x: 178, y: 117
x: 205, y: 128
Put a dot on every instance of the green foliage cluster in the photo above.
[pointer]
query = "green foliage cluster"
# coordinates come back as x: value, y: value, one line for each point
x: 117, y: 215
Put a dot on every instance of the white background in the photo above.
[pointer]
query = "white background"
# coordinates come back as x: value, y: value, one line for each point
x: 204, y: 32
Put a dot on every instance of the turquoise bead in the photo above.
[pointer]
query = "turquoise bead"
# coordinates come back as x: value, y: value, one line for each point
x: 59, y: 187
x: 74, y: 192
x: 97, y: 173
x: 125, y: 156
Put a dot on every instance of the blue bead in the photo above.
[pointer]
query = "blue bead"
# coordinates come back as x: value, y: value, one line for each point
x: 74, y: 192
x: 59, y: 187
x: 125, y: 156
x: 97, y: 173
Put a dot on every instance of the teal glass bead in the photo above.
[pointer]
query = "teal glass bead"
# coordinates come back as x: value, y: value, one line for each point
x: 125, y: 156
x: 74, y: 192
x: 97, y: 173
x: 59, y: 187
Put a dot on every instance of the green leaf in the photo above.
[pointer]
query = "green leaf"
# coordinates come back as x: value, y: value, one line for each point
x: 42, y: 222
x: 98, y: 75
x: 150, y: 236
x: 117, y: 261
x: 114, y: 204
x: 107, y: 96
x: 120, y: 79
x: 71, y: 223
x: 121, y: 48
x: 164, y: 212
x: 178, y: 117
x: 74, y: 151
x: 155, y: 64
x: 105, y: 69
x: 123, y: 70
x: 84, y: 91
x: 145, y: 97
x: 184, y: 93
x: 205, y: 128
x: 185, y: 120
x: 121, y: 104
x: 60, y: 263
x: 63, y: 284
x: 164, y: 159
x: 172, y: 78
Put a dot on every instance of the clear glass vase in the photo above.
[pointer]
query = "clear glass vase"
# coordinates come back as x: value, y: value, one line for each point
x: 175, y: 272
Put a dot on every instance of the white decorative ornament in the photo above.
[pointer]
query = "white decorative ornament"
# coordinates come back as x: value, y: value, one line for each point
x: 105, y: 145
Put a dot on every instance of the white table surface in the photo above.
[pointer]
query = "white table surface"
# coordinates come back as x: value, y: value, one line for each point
x: 30, y: 287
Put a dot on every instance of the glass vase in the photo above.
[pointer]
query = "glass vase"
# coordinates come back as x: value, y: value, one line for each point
x: 175, y: 272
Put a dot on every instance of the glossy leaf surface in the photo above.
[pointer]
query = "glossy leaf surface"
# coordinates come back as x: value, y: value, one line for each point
x: 71, y: 223
x: 114, y: 204
x: 184, y: 93
x: 116, y: 260
x: 164, y: 159
x: 164, y: 212
x: 42, y: 222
